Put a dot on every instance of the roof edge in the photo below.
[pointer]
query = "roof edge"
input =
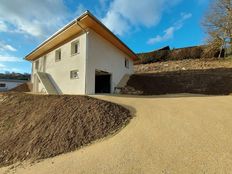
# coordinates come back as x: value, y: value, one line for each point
x: 87, y: 12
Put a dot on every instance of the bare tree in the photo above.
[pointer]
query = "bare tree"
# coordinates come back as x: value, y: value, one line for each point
x: 218, y: 25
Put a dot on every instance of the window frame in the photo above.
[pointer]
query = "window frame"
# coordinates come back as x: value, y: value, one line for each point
x: 73, y: 47
x: 127, y: 63
x: 37, y: 64
x: 74, y: 71
x: 58, y: 55
x: 2, y: 85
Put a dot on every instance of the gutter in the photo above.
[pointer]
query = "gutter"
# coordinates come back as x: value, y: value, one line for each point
x: 86, y: 52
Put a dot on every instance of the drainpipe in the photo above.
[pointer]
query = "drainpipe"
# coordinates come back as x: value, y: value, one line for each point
x: 86, y: 52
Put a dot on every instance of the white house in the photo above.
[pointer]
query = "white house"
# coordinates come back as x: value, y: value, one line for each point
x: 84, y: 57
x: 8, y: 84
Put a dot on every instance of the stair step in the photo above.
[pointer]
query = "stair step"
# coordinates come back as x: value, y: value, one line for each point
x: 44, y: 78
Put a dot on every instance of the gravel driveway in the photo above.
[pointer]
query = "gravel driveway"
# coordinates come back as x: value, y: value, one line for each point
x: 170, y: 134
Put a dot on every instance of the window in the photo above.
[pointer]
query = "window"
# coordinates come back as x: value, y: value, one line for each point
x: 126, y: 63
x: 74, y: 74
x: 58, y: 55
x: 2, y: 85
x: 37, y: 64
x: 75, y: 47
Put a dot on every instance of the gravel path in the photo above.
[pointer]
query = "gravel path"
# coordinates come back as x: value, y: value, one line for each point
x: 170, y: 134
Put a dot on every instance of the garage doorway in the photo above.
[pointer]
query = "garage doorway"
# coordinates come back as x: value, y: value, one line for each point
x: 102, y: 82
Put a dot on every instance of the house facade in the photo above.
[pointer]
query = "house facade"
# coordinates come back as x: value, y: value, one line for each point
x: 84, y: 57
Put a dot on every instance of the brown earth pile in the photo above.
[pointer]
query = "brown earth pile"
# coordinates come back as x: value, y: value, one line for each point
x: 25, y: 87
x: 40, y: 126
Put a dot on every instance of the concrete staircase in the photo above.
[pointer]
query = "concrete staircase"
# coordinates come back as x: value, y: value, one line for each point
x: 49, y: 87
x: 122, y: 83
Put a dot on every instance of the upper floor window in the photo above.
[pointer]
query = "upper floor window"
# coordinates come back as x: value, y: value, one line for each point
x: 58, y: 55
x: 126, y: 63
x: 37, y: 64
x: 75, y: 47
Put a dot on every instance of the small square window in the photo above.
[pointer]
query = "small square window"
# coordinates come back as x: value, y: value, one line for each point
x: 75, y: 47
x: 126, y: 63
x: 2, y: 85
x: 74, y: 74
x: 58, y: 55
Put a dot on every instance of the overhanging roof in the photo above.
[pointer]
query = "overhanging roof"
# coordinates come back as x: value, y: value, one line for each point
x: 86, y: 20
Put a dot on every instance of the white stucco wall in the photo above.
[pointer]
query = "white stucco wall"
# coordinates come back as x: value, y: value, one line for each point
x: 60, y: 71
x: 102, y: 55
x: 96, y: 53
x: 9, y: 85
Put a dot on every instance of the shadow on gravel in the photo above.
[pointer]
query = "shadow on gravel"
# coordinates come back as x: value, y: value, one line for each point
x: 209, y: 82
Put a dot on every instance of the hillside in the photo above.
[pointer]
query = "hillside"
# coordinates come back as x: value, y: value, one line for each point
x: 166, y: 53
x: 182, y: 65
x: 198, y: 76
x: 15, y: 76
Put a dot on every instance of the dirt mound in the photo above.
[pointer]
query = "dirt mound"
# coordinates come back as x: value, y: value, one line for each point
x: 25, y: 87
x: 41, y: 126
x: 212, y: 81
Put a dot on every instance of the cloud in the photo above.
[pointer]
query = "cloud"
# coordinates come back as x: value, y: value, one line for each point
x: 8, y: 58
x: 5, y: 47
x: 169, y: 32
x: 125, y: 14
x: 79, y: 10
x: 3, y: 27
x: 36, y: 18
x: 103, y: 3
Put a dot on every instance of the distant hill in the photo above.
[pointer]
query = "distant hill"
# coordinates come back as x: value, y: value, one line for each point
x: 16, y: 76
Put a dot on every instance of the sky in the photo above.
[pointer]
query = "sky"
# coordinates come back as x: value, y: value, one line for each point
x: 144, y: 25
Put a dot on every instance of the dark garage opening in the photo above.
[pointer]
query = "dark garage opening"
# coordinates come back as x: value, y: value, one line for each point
x: 102, y: 82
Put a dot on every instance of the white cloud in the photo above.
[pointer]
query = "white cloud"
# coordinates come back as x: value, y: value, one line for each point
x: 124, y: 14
x: 6, y: 47
x: 8, y: 58
x: 3, y: 27
x: 2, y: 66
x: 169, y: 32
x: 115, y: 22
x: 9, y: 48
x: 79, y: 10
x: 36, y: 18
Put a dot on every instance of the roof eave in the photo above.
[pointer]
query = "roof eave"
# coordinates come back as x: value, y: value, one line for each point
x: 134, y: 56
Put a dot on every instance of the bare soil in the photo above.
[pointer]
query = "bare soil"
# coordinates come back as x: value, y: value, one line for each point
x: 25, y: 87
x: 182, y: 65
x: 42, y: 126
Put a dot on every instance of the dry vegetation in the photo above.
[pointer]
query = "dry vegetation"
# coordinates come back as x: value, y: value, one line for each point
x: 180, y: 65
